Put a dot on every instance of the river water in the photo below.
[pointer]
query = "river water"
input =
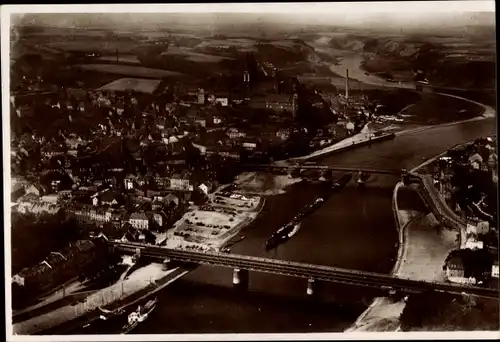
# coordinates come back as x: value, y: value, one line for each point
x: 353, y: 229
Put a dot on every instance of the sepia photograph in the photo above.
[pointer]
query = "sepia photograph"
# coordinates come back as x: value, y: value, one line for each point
x: 250, y: 171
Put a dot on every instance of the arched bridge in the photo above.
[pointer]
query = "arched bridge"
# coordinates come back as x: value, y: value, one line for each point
x: 243, y: 264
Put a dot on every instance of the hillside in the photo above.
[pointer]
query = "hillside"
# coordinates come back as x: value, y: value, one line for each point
x: 458, y: 61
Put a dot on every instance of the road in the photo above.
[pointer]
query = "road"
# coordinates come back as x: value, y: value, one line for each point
x: 442, y: 210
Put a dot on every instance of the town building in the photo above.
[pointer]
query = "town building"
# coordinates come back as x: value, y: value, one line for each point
x: 472, y: 244
x: 275, y: 102
x: 495, y: 270
x: 18, y: 191
x: 201, y: 96
x: 156, y: 219
x: 129, y: 181
x: 455, y: 269
x: 235, y: 133
x: 58, y: 267
x: 139, y: 220
x: 180, y: 182
x: 36, y: 189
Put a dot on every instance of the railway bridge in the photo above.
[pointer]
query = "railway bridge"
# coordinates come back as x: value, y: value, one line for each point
x: 242, y: 265
x: 326, y: 171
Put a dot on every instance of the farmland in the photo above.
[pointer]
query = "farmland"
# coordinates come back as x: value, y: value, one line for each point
x: 243, y: 44
x: 130, y: 59
x: 339, y: 83
x: 127, y: 70
x: 103, y: 46
x: 140, y: 85
x: 194, y: 56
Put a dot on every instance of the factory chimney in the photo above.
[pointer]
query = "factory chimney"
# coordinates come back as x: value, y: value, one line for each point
x: 294, y: 105
x: 347, y: 83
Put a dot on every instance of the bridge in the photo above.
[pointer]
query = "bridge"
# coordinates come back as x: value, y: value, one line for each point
x: 333, y: 168
x: 243, y: 264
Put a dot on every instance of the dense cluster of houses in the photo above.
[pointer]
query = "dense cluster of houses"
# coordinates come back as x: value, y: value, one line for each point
x: 58, y: 267
x: 467, y: 177
x: 118, y: 159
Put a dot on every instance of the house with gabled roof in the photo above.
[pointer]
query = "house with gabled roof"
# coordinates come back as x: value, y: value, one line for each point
x: 109, y: 198
x: 139, y: 220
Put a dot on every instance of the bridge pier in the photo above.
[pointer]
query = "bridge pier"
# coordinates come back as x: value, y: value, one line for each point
x: 137, y: 255
x: 322, y: 175
x: 240, y: 278
x: 408, y: 179
x: 310, y: 287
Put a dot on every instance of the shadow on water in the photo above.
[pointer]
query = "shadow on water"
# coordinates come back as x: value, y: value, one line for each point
x: 201, y: 308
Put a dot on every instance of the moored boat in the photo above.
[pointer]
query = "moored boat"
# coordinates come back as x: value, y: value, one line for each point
x: 139, y: 316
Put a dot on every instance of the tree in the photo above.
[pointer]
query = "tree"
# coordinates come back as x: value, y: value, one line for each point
x: 150, y: 238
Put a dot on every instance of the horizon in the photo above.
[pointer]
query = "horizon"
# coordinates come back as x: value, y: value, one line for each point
x: 408, y: 14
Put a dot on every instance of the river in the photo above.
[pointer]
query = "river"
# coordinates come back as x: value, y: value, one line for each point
x: 353, y: 229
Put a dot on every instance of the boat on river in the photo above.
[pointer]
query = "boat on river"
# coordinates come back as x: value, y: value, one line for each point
x: 139, y: 316
x: 295, y: 229
x: 291, y: 228
x: 363, y: 177
x: 342, y: 182
x: 107, y: 314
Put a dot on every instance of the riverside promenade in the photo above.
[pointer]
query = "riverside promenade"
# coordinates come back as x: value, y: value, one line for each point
x: 382, y: 314
x: 425, y: 240
x: 120, y: 294
x: 424, y: 243
x: 366, y: 136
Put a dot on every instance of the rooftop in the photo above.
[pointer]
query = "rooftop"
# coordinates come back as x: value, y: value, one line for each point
x: 139, y: 85
x: 138, y: 216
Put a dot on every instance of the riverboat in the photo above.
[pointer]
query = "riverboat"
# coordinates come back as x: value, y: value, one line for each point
x: 139, y: 316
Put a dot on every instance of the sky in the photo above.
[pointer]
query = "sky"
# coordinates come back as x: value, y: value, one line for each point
x: 403, y: 13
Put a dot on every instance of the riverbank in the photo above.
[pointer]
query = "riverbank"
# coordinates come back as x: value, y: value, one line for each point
x: 382, y: 314
x: 210, y: 226
x: 366, y: 136
x: 236, y: 213
x: 424, y: 244
x: 438, y: 204
x: 117, y: 293
x: 263, y: 184
x: 121, y: 305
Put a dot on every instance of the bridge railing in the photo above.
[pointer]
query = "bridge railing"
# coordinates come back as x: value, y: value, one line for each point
x: 323, y: 167
x: 304, y: 270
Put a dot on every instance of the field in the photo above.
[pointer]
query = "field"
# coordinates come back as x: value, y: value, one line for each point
x: 339, y: 83
x: 399, y: 69
x: 194, y: 56
x: 283, y: 43
x: 242, y: 44
x: 131, y: 59
x: 139, y: 85
x: 95, y: 45
x: 127, y: 70
x: 465, y: 60
x: 436, y: 108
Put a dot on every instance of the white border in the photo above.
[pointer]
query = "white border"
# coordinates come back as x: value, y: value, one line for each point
x: 5, y: 29
x: 311, y: 8
x: 270, y: 337
x: 301, y: 8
